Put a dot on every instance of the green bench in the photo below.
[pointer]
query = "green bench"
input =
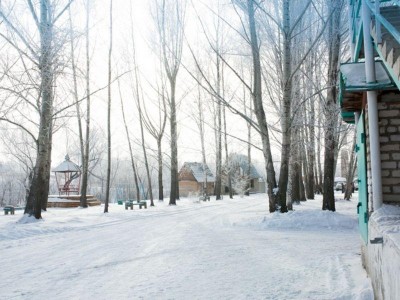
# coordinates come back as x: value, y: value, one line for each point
x: 131, y: 203
x: 120, y: 202
x: 204, y: 198
x: 9, y: 209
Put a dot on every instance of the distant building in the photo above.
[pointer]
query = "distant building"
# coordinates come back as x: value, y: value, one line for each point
x: 192, y: 179
x: 239, y: 168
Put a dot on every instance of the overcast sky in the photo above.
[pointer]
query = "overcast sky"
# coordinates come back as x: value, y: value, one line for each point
x: 65, y: 140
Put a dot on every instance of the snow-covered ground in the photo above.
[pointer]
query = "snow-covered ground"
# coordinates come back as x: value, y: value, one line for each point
x: 229, y: 249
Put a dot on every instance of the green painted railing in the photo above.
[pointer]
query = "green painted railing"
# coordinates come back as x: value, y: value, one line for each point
x: 392, y: 30
x: 356, y: 22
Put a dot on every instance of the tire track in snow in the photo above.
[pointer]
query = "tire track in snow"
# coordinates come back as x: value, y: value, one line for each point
x: 22, y: 231
x: 338, y: 278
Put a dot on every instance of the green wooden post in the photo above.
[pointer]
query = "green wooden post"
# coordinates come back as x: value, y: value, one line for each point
x: 362, y: 207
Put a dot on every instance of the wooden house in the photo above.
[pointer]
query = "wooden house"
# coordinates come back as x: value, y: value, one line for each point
x: 194, y: 178
x: 369, y: 97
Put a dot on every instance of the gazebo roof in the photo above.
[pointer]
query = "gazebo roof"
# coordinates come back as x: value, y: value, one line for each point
x: 67, y: 166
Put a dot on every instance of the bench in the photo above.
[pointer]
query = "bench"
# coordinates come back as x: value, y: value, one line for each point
x: 131, y: 203
x: 9, y: 209
x: 120, y: 202
x: 204, y: 198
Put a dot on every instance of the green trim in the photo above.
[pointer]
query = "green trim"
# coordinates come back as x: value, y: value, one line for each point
x: 342, y: 88
x: 392, y: 30
x: 362, y: 207
x: 360, y: 36
x: 369, y: 87
x: 348, y: 117
x: 388, y: 68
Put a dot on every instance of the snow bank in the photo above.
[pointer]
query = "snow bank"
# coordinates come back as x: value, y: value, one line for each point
x: 388, y: 220
x: 56, y: 199
x: 383, y: 259
x: 305, y: 217
x: 304, y: 220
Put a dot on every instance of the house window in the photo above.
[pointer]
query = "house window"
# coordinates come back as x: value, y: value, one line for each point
x: 252, y: 183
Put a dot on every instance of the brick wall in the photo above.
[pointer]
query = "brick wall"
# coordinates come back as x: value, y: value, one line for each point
x: 389, y: 131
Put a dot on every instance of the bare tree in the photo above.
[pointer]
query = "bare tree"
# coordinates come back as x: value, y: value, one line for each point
x: 248, y: 7
x: 259, y: 108
x: 85, y: 149
x: 156, y: 125
x: 132, y: 159
x: 198, y: 117
x: 146, y: 163
x: 109, y: 112
x: 331, y: 112
x: 83, y: 143
x: 44, y: 60
x: 157, y: 129
x: 227, y: 169
x: 350, y: 171
x: 170, y: 17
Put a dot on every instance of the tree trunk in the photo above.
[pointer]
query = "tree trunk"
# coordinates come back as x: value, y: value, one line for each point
x: 109, y: 113
x: 85, y: 158
x: 200, y: 124
x: 259, y: 109
x: 295, y: 168
x: 319, y: 167
x: 248, y: 172
x: 328, y: 202
x: 289, y: 191
x: 170, y: 27
x: 174, y: 147
x: 311, y: 154
x: 302, y: 192
x: 286, y: 107
x: 146, y: 163
x: 130, y: 146
x: 160, y: 171
x: 227, y: 156
x: 218, y: 169
x: 350, y: 172
x: 38, y: 192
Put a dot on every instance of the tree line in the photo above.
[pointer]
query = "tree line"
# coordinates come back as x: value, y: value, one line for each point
x: 273, y: 65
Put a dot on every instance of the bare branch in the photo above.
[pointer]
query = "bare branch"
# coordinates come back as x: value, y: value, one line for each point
x: 33, y: 12
x: 21, y: 127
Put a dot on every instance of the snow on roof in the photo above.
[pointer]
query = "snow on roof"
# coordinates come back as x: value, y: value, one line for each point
x: 354, y: 74
x: 198, y: 172
x: 67, y: 166
x: 243, y: 163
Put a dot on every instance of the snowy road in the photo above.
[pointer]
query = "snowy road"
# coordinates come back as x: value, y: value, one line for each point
x: 230, y: 249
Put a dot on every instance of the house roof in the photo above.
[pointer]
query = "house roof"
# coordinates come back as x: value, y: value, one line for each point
x: 198, y: 171
x: 242, y: 161
x: 67, y: 166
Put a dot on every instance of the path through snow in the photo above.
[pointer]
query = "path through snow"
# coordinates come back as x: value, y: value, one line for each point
x: 229, y: 249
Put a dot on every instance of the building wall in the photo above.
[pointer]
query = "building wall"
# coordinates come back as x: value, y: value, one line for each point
x: 257, y: 186
x: 261, y: 186
x: 382, y: 262
x: 389, y: 131
x: 189, y: 187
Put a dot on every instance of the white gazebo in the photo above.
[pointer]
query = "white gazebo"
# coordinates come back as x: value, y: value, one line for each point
x: 68, y: 177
